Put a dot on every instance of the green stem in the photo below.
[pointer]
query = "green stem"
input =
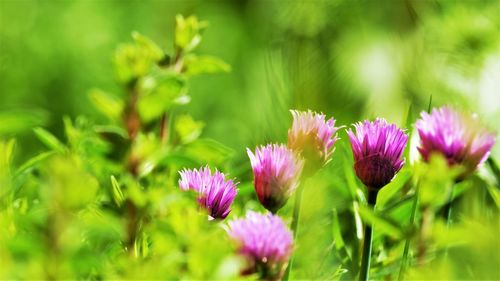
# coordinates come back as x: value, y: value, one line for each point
x: 367, y: 240
x: 407, y: 242
x: 295, y: 225
x: 447, y: 213
x: 448, y: 208
x: 494, y: 168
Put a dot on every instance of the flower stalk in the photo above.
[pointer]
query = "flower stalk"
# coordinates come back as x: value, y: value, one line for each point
x: 295, y: 225
x: 367, y: 239
x: 406, y: 249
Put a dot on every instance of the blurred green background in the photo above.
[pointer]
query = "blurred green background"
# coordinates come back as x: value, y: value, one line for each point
x: 349, y: 59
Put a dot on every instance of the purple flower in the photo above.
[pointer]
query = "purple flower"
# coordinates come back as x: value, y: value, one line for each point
x: 312, y: 134
x: 377, y: 148
x: 214, y: 192
x: 265, y: 241
x: 276, y: 171
x: 458, y: 137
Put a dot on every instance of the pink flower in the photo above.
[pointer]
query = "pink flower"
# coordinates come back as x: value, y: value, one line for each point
x: 276, y: 172
x: 215, y: 193
x: 458, y: 137
x: 265, y: 241
x: 378, y: 149
x: 312, y: 134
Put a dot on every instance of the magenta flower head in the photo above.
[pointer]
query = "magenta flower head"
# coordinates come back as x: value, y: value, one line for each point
x: 312, y: 134
x: 378, y: 149
x: 215, y: 194
x: 276, y: 171
x: 458, y: 137
x: 265, y: 241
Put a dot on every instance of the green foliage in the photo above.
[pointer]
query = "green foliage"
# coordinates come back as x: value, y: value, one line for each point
x: 159, y: 93
x: 109, y: 106
x: 187, y: 128
x: 96, y: 196
x: 135, y: 60
x: 104, y: 203
x: 436, y: 180
x: 12, y: 122
x: 204, y: 64
x: 187, y: 32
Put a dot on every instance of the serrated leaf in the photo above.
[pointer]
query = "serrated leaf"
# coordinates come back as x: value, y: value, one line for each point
x: 49, y: 140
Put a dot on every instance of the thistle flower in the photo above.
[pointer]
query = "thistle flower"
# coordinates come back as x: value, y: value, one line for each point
x: 310, y: 132
x: 265, y: 241
x: 458, y: 137
x: 276, y: 172
x: 215, y: 194
x: 377, y: 148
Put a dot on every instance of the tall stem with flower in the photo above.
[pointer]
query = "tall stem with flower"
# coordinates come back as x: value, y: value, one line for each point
x: 377, y: 148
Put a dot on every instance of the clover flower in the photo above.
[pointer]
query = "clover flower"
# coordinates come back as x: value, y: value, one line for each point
x: 215, y: 194
x: 312, y: 134
x: 377, y: 148
x: 265, y: 241
x: 460, y: 138
x: 276, y: 170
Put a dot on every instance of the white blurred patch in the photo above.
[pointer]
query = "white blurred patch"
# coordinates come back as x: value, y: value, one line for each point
x: 489, y: 85
x: 414, y: 155
x: 376, y: 68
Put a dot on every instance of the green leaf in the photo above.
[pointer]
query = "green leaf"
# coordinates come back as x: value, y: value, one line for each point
x: 135, y: 60
x: 135, y: 192
x: 49, y: 140
x: 117, y: 192
x: 208, y: 151
x: 7, y: 153
x: 111, y: 130
x: 110, y: 106
x: 16, y: 121
x: 150, y: 47
x: 187, y: 32
x: 435, y: 180
x: 141, y: 246
x: 389, y: 191
x: 204, y: 64
x: 187, y: 128
x: 68, y: 185
x: 179, y: 160
x: 6, y: 157
x: 337, y: 235
x: 159, y: 93
x: 380, y: 223
x: 495, y: 194
x: 32, y: 162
